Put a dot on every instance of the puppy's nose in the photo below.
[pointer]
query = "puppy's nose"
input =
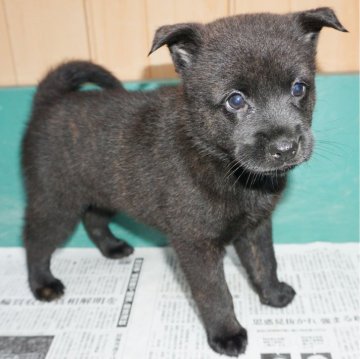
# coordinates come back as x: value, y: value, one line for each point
x: 283, y: 150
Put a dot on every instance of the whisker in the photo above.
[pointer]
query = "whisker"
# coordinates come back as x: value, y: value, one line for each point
x: 230, y: 172
x: 326, y: 151
x: 244, y: 164
x: 234, y: 171
x: 333, y: 143
x: 322, y: 156
x: 250, y: 174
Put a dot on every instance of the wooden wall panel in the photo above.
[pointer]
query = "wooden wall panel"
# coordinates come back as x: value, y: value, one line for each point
x: 251, y: 6
x: 118, y: 36
x: 38, y: 34
x: 337, y: 51
x: 43, y: 33
x: 160, y: 12
x: 7, y: 69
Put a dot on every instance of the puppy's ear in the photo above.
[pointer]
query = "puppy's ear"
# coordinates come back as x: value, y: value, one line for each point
x: 183, y: 41
x: 312, y: 21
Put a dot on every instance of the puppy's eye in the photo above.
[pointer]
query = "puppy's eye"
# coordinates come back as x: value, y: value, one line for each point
x: 235, y: 102
x: 298, y: 89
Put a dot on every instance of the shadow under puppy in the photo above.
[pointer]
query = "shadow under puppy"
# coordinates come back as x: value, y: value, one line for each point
x: 204, y: 162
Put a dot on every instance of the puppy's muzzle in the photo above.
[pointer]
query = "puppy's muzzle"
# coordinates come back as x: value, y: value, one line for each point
x: 283, y: 150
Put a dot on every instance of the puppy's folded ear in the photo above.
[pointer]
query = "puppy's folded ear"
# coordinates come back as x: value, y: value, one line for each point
x: 183, y: 41
x: 312, y: 21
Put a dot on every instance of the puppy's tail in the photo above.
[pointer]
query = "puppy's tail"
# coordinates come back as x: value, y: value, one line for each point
x: 69, y: 77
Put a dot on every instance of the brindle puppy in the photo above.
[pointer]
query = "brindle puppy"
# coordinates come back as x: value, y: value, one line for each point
x: 205, y: 162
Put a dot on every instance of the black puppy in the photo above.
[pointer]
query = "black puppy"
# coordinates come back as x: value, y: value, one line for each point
x: 204, y: 162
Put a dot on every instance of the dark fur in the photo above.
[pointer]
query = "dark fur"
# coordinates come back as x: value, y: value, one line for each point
x: 176, y: 159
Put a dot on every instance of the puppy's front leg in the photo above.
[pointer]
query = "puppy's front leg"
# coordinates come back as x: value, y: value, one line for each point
x: 202, y: 263
x: 256, y: 252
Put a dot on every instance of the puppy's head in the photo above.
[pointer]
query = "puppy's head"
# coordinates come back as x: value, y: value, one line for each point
x: 249, y: 84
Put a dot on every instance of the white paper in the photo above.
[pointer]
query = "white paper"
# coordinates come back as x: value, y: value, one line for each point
x: 141, y: 307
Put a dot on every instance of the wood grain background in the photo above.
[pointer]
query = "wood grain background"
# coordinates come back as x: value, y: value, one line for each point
x: 37, y: 34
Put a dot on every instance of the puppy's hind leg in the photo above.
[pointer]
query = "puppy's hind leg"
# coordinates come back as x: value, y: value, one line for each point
x: 96, y: 222
x: 45, y: 229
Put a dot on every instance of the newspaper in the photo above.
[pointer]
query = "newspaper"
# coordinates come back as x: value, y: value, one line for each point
x: 141, y: 307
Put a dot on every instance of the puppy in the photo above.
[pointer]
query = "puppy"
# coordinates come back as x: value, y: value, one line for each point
x: 205, y: 162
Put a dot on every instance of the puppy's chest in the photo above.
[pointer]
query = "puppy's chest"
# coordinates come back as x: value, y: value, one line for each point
x: 248, y: 209
x: 258, y: 202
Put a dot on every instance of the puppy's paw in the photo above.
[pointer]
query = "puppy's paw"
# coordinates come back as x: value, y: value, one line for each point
x: 231, y: 345
x: 49, y: 291
x: 118, y: 250
x: 278, y: 296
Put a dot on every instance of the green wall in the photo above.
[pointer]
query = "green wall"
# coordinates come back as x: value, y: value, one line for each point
x: 320, y: 204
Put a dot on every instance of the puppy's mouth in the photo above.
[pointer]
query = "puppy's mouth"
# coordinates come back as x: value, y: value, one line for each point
x: 244, y: 171
x: 276, y: 171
